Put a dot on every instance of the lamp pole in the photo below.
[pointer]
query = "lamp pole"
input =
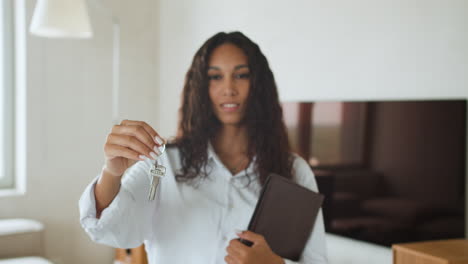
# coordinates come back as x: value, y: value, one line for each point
x: 115, y: 61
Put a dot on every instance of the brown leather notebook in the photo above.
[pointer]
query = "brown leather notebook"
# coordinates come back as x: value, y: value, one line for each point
x: 285, y: 215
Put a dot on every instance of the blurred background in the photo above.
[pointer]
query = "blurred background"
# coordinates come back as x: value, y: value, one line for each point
x: 318, y: 50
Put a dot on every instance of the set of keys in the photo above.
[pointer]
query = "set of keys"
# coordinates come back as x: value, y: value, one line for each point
x: 157, y: 171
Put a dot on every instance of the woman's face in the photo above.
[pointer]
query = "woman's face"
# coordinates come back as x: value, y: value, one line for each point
x: 229, y: 83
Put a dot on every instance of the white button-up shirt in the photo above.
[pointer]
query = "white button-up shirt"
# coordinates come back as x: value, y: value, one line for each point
x: 187, y: 223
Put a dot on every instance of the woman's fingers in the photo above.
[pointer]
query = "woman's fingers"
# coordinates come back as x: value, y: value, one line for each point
x: 129, y: 142
x: 113, y: 150
x: 138, y: 131
x: 132, y: 143
x: 133, y: 140
x: 154, y: 135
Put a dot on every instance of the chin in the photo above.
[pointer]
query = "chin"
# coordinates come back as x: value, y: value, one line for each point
x: 231, y: 122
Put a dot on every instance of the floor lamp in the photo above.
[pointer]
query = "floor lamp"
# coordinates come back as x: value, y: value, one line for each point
x: 70, y: 19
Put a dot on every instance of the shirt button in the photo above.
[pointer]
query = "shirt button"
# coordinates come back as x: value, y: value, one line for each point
x: 231, y: 206
x: 224, y: 238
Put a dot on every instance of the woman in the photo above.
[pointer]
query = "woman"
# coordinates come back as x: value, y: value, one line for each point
x: 231, y: 136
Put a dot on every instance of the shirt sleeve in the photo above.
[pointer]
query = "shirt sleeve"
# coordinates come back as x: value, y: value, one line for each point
x: 126, y: 222
x: 315, y: 251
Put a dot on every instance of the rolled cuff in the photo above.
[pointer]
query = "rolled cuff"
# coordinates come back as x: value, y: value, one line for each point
x: 111, y: 228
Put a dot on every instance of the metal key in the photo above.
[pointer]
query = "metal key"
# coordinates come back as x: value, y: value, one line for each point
x: 157, y: 172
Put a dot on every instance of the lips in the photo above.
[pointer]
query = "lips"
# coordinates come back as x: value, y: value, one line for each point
x: 230, y: 107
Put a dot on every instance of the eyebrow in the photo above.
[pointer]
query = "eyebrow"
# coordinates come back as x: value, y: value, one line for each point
x: 235, y: 68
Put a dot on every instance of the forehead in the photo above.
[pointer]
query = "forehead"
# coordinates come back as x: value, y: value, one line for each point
x: 227, y: 55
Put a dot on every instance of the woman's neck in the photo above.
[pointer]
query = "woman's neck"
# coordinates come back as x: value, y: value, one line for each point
x: 231, y: 141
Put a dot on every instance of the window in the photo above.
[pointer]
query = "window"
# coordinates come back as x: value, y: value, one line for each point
x: 328, y: 134
x: 338, y: 130
x: 6, y: 95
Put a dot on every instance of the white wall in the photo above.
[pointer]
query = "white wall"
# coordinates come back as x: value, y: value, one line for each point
x: 69, y: 115
x: 319, y: 50
x: 327, y: 50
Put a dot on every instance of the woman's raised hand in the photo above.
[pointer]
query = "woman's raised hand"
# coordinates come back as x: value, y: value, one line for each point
x: 128, y: 143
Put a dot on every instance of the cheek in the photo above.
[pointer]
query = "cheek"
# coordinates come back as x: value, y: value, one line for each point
x: 214, y: 100
x: 214, y: 86
x: 212, y: 94
x: 245, y: 90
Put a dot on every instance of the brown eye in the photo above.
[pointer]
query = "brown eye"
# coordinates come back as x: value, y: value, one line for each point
x: 214, y: 77
x: 242, y: 76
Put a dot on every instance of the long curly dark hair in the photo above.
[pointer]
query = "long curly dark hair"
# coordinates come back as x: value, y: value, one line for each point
x: 267, y: 136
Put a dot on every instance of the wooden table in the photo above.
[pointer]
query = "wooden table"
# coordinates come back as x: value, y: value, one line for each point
x: 452, y: 251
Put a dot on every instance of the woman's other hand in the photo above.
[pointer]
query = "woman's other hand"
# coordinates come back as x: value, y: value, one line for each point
x: 259, y: 253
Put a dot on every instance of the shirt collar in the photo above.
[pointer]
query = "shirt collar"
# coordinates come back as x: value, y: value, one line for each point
x: 211, y: 152
x: 212, y: 156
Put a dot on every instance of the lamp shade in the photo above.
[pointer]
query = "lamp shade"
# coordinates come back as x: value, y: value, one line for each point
x: 61, y: 19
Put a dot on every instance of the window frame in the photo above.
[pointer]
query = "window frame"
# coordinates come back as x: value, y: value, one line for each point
x: 7, y: 85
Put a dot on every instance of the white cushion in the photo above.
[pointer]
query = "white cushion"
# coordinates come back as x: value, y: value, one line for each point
x: 27, y: 260
x: 18, y: 226
x: 343, y: 250
x: 20, y: 237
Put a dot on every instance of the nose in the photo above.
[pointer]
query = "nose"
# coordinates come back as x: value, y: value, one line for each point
x: 229, y: 87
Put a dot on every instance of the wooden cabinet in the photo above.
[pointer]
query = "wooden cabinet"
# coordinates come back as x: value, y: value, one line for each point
x: 131, y: 256
x: 452, y: 251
